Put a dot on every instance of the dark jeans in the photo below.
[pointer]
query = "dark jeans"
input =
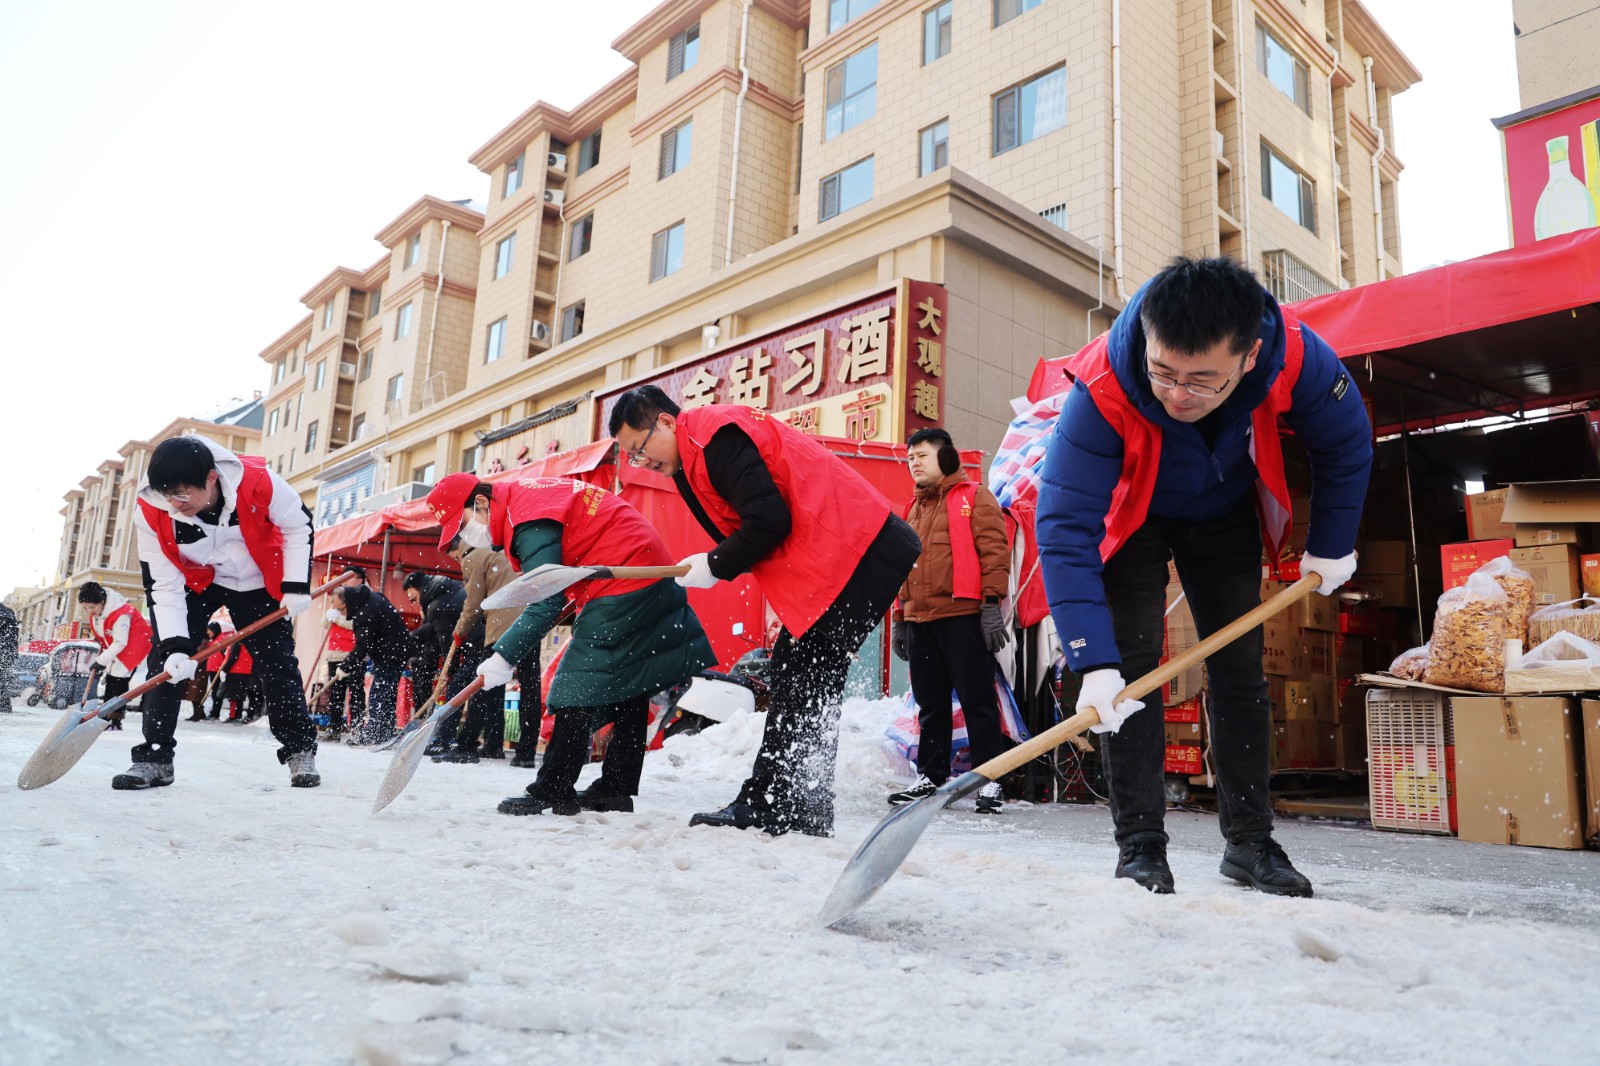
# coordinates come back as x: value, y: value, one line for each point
x: 215, y: 686
x: 530, y: 710
x: 950, y: 654
x: 347, y: 697
x: 792, y: 779
x: 485, y: 717
x: 244, y: 696
x: 1219, y: 565
x: 276, y: 674
x: 379, y: 724
x: 113, y: 687
x: 569, y: 749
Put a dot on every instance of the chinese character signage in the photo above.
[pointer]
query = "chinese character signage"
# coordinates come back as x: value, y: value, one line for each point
x: 872, y: 369
x: 1553, y: 171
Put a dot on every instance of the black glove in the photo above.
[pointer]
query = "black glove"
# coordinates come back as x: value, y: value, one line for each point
x: 897, y: 641
x: 996, y: 634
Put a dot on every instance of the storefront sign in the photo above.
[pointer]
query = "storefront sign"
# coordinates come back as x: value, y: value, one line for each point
x: 341, y: 497
x: 1553, y: 171
x: 872, y: 369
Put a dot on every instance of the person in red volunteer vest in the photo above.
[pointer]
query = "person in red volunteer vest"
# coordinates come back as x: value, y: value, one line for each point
x: 948, y: 624
x: 828, y: 553
x: 1167, y: 448
x: 630, y: 639
x: 217, y: 530
x: 347, y: 697
x: 212, y: 667
x: 123, y: 636
x: 242, y: 691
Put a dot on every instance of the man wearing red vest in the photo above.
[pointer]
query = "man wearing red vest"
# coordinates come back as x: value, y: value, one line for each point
x: 217, y: 530
x: 1167, y: 449
x: 828, y: 553
x: 631, y: 639
x: 123, y: 636
x: 948, y: 622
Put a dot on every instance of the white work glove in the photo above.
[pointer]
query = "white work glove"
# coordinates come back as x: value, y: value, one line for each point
x: 104, y: 659
x: 180, y: 666
x: 1334, y: 572
x: 495, y: 672
x: 1100, y: 687
x: 294, y: 603
x: 334, y: 614
x: 699, y: 575
x: 340, y: 673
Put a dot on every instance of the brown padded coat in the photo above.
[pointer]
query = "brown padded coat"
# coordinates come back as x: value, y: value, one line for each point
x: 485, y: 571
x: 928, y: 593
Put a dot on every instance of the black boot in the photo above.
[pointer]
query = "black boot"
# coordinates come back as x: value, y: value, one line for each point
x: 1142, y: 858
x: 1261, y: 863
x: 536, y: 803
x: 597, y: 797
x: 735, y: 815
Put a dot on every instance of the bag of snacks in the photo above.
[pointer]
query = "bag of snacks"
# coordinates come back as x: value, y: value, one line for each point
x: 1580, y: 617
x: 1564, y: 663
x: 1411, y: 665
x: 1468, y: 649
x: 1519, y: 589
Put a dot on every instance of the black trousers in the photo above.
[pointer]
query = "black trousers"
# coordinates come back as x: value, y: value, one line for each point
x: 530, y: 709
x: 485, y: 716
x: 950, y: 654
x: 346, y: 696
x: 569, y: 749
x: 1219, y: 565
x: 275, y: 672
x: 379, y: 723
x: 113, y: 687
x: 792, y: 779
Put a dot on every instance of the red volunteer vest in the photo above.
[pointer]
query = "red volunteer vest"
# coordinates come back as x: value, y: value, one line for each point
x: 968, y: 584
x: 214, y: 661
x: 341, y: 639
x: 835, y: 512
x: 262, y: 537
x: 597, y: 528
x: 1141, y: 443
x: 140, y: 639
x: 243, y: 664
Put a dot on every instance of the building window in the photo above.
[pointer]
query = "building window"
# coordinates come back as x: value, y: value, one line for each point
x: 1283, y: 68
x: 423, y: 473
x: 1056, y: 216
x: 935, y: 147
x: 674, y: 155
x: 278, y: 369
x: 357, y: 424
x: 513, y: 180
x: 935, y: 32
x: 272, y: 422
x: 375, y: 301
x: 1289, y: 190
x: 496, y: 346
x: 852, y: 91
x: 582, y: 236
x: 683, y: 52
x: 1006, y: 10
x: 841, y: 12
x: 321, y: 376
x: 572, y: 321
x: 503, y: 252
x: 366, y: 366
x: 396, y: 389
x: 589, y: 152
x: 293, y: 358
x: 844, y: 189
x: 413, y: 250
x: 470, y: 458
x: 327, y: 315
x: 311, y: 437
x: 666, y: 252
x: 402, y: 321
x: 1032, y: 109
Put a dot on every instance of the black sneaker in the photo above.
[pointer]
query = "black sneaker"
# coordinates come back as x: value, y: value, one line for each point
x: 525, y: 762
x: 529, y: 804
x: 989, y: 799
x: 1260, y: 862
x: 735, y: 815
x: 921, y: 790
x: 142, y: 775
x: 1143, y: 860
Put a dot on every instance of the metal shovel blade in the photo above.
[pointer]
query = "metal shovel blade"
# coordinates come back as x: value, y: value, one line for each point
x: 62, y: 747
x: 887, y: 846
x: 541, y: 583
x: 406, y: 760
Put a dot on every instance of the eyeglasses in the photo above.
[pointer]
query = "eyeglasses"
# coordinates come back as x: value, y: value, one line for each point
x: 1193, y: 388
x: 178, y: 497
x: 636, y: 456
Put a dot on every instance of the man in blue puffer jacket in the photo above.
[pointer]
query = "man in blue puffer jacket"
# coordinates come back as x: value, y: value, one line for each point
x: 1167, y: 448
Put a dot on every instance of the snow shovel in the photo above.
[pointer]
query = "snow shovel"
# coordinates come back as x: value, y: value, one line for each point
x: 545, y: 581
x: 892, y: 839
x: 70, y: 737
x: 409, y: 755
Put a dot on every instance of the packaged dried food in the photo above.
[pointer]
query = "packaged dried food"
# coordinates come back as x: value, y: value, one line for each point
x: 1468, y: 649
x: 1411, y: 665
x: 1519, y: 589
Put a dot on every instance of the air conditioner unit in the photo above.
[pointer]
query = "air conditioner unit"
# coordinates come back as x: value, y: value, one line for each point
x: 347, y: 370
x: 557, y: 160
x: 555, y: 196
x: 541, y: 332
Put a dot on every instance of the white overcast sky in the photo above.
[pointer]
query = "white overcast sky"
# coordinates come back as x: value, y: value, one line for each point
x: 177, y: 174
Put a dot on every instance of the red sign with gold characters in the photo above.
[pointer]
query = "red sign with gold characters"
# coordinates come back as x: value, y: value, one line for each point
x: 869, y: 369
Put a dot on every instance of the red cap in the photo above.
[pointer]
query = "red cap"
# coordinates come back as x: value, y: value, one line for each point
x: 447, y: 501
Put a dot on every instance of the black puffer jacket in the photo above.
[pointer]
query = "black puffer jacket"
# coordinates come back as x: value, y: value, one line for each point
x: 442, y: 600
x: 381, y: 633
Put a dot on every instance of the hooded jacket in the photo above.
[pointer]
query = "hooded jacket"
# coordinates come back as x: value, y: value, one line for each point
x: 441, y: 599
x: 381, y: 633
x: 123, y: 635
x: 929, y: 592
x: 1197, y: 479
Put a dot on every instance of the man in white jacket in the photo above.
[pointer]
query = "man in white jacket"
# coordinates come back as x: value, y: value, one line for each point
x: 123, y: 635
x: 217, y: 530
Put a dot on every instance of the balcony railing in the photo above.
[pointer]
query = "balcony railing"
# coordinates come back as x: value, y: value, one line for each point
x: 1289, y: 279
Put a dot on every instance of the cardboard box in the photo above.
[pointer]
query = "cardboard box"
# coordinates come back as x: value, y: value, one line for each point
x: 1484, y: 521
x: 1385, y: 556
x: 1297, y: 699
x: 1183, y: 734
x: 1517, y: 770
x: 1527, y: 536
x: 1555, y: 571
x: 1350, y: 655
x: 1591, y: 761
x: 1186, y: 711
x: 1184, y: 760
x: 1460, y: 560
x: 1350, y: 744
x: 1302, y: 744
x: 1319, y: 612
x: 1589, y: 573
x: 1552, y: 512
x: 1279, y: 642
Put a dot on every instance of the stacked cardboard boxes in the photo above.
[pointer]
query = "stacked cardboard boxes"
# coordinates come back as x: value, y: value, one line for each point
x: 1185, y: 722
x: 1517, y: 770
x: 1543, y: 528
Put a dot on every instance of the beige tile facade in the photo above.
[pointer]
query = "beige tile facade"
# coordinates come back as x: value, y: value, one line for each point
x: 1557, y: 41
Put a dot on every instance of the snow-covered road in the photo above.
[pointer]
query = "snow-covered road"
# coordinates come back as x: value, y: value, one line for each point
x: 231, y: 918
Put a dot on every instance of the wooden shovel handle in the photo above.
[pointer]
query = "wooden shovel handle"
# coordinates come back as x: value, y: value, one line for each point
x: 646, y: 573
x: 1057, y: 734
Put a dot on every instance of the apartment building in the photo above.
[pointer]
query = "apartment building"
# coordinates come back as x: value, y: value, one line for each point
x: 865, y: 216
x: 98, y: 542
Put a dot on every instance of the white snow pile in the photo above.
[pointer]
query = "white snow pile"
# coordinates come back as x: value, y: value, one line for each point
x: 231, y: 918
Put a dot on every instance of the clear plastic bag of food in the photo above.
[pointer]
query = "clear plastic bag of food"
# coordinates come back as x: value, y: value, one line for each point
x: 1580, y: 617
x: 1564, y: 663
x: 1411, y: 665
x: 1519, y: 589
x: 1468, y: 649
